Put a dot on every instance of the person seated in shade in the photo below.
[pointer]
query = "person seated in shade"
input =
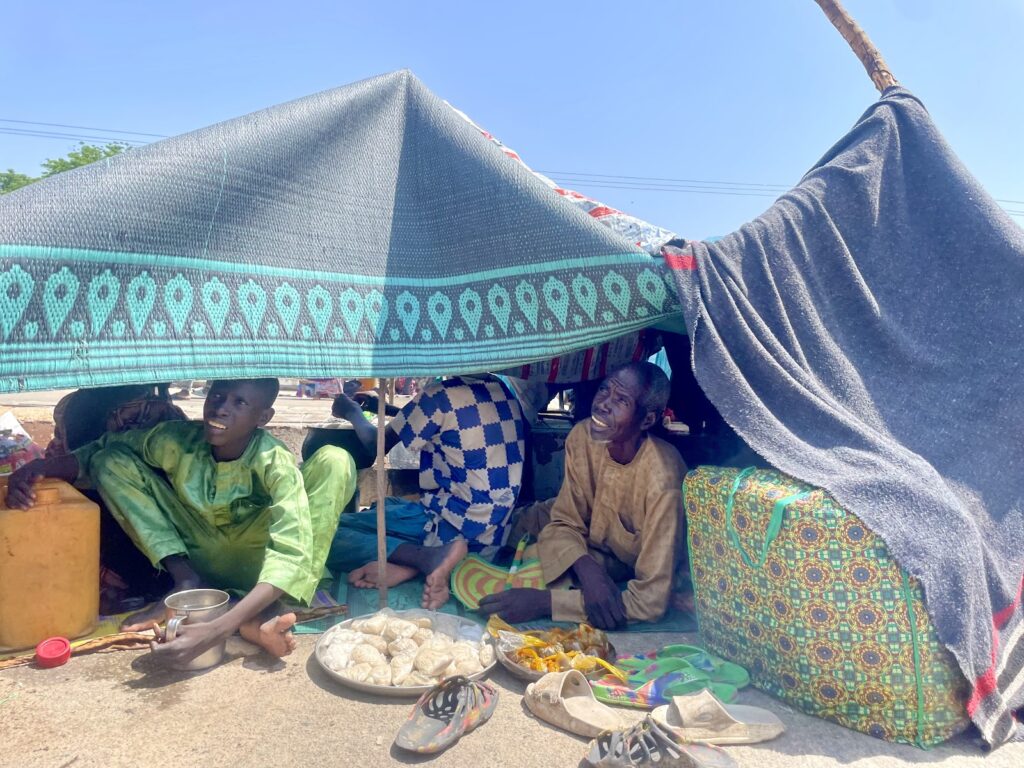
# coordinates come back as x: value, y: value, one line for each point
x: 217, y: 503
x: 470, y: 435
x: 617, y: 517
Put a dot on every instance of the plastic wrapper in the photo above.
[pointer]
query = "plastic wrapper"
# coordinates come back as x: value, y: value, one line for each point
x: 16, y: 446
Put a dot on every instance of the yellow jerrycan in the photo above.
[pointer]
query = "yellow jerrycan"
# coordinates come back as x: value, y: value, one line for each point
x: 49, y: 566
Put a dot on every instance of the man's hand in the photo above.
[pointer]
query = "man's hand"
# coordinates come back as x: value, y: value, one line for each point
x: 190, y: 641
x: 344, y: 407
x: 21, y: 492
x: 517, y: 605
x: 602, y: 599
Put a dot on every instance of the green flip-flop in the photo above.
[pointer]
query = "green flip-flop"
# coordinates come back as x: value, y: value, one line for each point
x: 718, y: 670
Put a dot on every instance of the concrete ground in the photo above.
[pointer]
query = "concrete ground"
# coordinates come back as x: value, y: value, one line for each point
x: 118, y: 709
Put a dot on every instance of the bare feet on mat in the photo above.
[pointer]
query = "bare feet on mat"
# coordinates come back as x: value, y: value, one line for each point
x: 439, y: 569
x: 368, y: 576
x: 273, y: 635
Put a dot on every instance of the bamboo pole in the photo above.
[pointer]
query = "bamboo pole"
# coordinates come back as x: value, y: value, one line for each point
x: 861, y: 44
x: 382, y: 551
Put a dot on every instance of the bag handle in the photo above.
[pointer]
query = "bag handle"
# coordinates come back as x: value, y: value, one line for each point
x: 774, y: 524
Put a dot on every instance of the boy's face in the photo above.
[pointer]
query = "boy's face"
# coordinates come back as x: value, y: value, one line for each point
x: 232, y: 412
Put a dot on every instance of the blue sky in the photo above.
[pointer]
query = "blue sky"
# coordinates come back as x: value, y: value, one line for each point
x: 740, y: 97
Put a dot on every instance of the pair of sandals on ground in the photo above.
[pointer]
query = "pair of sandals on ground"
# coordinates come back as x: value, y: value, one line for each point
x: 683, y: 733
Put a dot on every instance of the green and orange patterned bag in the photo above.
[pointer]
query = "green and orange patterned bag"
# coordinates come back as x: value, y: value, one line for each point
x: 802, y: 594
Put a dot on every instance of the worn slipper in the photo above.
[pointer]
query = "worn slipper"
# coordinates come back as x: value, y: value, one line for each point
x: 649, y: 744
x: 564, y: 699
x: 451, y: 708
x: 702, y: 717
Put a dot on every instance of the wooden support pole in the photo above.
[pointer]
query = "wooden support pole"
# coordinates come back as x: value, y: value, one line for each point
x: 861, y: 44
x: 382, y: 551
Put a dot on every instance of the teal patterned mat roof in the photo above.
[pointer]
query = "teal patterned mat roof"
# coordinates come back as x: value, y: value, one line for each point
x: 368, y: 230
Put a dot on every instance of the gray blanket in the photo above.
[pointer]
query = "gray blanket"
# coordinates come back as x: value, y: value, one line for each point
x: 865, y: 335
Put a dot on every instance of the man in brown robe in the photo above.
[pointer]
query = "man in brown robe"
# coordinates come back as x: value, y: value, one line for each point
x: 617, y: 516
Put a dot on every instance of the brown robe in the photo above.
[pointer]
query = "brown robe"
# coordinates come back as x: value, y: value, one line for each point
x: 627, y: 516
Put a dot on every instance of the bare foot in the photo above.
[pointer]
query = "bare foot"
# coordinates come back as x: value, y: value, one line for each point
x: 368, y: 576
x: 435, y: 591
x: 274, y: 635
x: 150, y: 616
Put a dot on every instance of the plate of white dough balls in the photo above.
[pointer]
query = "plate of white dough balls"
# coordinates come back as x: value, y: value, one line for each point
x: 404, y: 653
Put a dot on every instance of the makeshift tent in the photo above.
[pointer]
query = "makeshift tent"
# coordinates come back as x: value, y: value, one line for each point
x: 863, y: 335
x: 367, y: 230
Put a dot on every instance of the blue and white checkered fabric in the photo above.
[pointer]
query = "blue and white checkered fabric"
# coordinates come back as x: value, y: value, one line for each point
x: 470, y: 434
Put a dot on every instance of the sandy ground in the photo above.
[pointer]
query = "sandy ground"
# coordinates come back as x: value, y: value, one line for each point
x: 117, y: 709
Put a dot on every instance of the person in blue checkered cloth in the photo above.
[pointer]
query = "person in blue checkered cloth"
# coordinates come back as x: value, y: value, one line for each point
x: 470, y: 434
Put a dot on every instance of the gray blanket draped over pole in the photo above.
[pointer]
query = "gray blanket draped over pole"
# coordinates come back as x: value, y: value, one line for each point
x: 865, y: 335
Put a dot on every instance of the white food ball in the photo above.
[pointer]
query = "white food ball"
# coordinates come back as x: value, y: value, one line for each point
x: 468, y: 667
x: 422, y: 635
x: 418, y: 678
x: 401, y: 667
x: 402, y: 646
x: 464, y: 649
x: 357, y: 672
x: 374, y: 625
x: 439, y: 642
x: 397, y: 628
x: 376, y: 641
x: 337, y: 656
x: 486, y: 654
x: 367, y: 654
x: 432, y: 662
x: 380, y: 674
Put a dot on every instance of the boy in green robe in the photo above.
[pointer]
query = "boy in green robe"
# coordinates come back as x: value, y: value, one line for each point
x: 216, y: 503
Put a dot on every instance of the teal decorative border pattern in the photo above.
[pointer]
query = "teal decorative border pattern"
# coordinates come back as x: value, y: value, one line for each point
x: 74, y: 316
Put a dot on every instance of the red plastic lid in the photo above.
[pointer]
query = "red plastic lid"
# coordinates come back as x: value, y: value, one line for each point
x: 53, y: 652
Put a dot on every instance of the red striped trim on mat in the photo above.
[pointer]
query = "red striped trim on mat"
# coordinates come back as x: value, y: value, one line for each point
x: 681, y: 261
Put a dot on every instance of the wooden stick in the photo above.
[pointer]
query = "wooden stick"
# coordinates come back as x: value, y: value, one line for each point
x: 120, y: 641
x: 382, y: 550
x: 861, y: 44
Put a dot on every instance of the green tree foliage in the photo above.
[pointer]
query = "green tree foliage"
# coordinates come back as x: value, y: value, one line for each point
x: 11, y: 180
x: 85, y: 154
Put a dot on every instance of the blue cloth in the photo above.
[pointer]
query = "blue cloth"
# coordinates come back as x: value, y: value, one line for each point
x: 355, y: 541
x: 470, y: 434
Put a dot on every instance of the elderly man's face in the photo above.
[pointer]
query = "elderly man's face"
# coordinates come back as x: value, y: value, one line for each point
x: 616, y: 416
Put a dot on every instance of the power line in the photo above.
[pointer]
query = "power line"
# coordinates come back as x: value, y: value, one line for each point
x: 596, y: 180
x: 598, y: 176
x: 81, y: 127
x: 66, y: 136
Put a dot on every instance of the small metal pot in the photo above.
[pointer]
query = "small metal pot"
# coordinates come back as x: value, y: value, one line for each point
x: 193, y: 606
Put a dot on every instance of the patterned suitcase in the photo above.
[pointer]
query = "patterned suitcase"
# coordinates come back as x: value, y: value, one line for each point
x: 803, y: 595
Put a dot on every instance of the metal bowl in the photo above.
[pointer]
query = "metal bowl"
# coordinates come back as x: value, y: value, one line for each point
x: 528, y: 674
x: 455, y: 627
